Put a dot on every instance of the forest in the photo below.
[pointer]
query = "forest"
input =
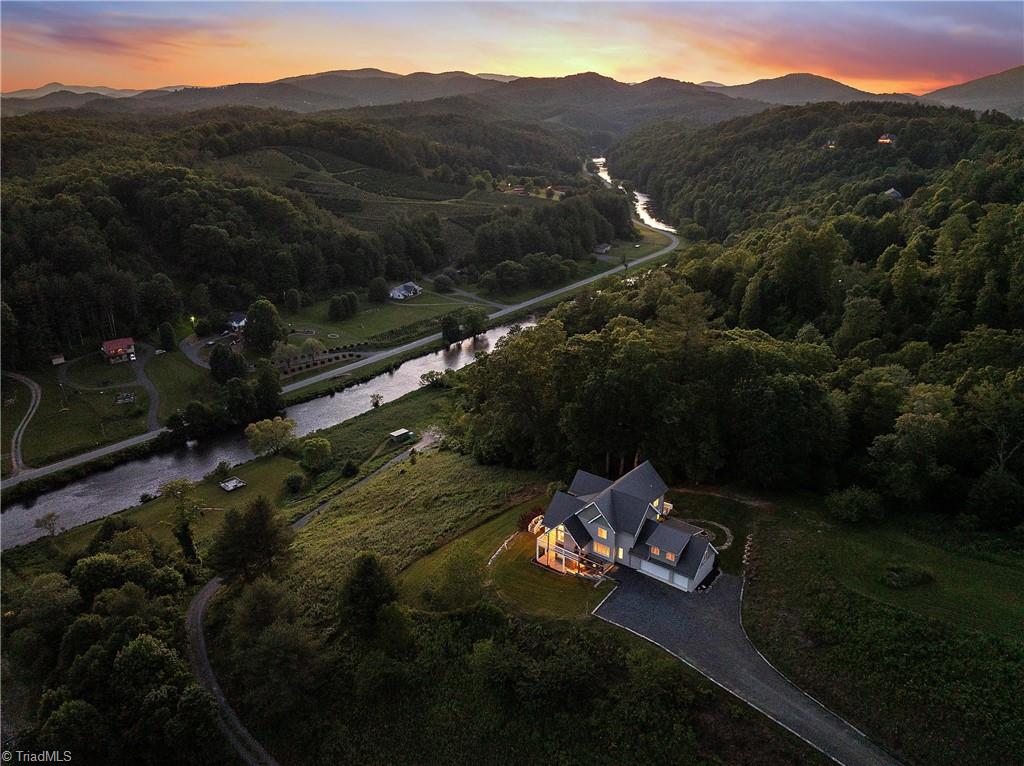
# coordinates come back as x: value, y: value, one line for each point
x: 114, y: 225
x: 837, y: 340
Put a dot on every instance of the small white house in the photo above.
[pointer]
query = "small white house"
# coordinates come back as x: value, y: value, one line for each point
x: 603, y: 248
x: 405, y: 291
x: 236, y: 321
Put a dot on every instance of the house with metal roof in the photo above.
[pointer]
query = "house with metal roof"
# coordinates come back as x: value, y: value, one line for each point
x: 599, y: 524
x: 405, y: 291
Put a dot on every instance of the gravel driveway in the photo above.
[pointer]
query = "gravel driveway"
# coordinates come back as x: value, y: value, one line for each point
x: 704, y: 630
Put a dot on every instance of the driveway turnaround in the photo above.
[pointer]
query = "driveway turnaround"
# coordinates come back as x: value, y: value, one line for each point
x: 17, y: 463
x: 705, y: 631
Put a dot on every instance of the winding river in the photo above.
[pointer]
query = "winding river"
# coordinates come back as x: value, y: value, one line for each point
x: 641, y: 201
x: 102, y: 494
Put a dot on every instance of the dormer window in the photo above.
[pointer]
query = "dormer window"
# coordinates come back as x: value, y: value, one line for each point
x: 602, y: 533
x: 655, y: 550
x: 670, y: 556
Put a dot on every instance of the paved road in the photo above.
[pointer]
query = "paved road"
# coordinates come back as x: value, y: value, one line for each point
x: 247, y: 747
x: 705, y: 631
x: 36, y: 391
x: 192, y: 353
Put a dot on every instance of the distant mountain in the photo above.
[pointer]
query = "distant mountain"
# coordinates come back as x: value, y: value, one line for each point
x: 387, y: 88
x: 497, y: 77
x: 803, y: 88
x: 1003, y: 91
x: 60, y: 99
x: 57, y: 87
x: 710, y: 84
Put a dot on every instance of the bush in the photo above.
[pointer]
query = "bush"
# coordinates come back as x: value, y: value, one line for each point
x: 221, y: 472
x: 349, y: 469
x: 854, y: 504
x: 293, y: 482
x: 443, y: 284
x: 527, y: 516
x: 203, y: 328
x: 902, y: 576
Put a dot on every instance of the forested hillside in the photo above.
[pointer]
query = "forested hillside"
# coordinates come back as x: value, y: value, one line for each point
x: 850, y: 342
x: 113, y: 225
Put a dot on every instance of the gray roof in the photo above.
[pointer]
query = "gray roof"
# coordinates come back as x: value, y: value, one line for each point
x: 236, y: 316
x: 668, y: 538
x: 584, y: 483
x: 692, y: 555
x: 579, y: 533
x: 562, y: 506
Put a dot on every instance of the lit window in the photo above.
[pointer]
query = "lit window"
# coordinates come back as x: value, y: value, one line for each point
x: 602, y: 549
x: 602, y: 533
x: 655, y: 550
x: 561, y: 534
x: 621, y: 555
x: 670, y: 556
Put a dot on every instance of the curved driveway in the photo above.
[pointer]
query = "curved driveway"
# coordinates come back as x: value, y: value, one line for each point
x: 17, y: 464
x: 705, y: 630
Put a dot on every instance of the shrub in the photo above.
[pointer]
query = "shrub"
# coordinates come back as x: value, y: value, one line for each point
x: 377, y: 291
x: 349, y: 469
x: 527, y: 516
x: 854, y: 503
x: 293, y: 482
x: 221, y: 472
x: 443, y: 284
x: 902, y: 576
x: 203, y: 328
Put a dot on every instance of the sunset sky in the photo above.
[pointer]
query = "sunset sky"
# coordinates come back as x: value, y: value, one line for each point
x: 878, y: 46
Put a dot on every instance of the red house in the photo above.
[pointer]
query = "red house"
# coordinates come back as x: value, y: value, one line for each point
x: 119, y: 350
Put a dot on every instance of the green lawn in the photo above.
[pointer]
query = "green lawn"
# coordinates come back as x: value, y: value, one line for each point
x: 15, y: 398
x: 931, y: 670
x: 178, y: 380
x: 738, y: 517
x: 69, y: 422
x: 372, y: 319
x: 94, y: 371
x: 402, y: 514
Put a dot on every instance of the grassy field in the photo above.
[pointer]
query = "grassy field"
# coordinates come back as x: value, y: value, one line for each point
x: 736, y: 516
x: 178, y: 380
x: 932, y: 670
x: 401, y: 515
x: 93, y: 371
x: 372, y: 319
x: 69, y: 422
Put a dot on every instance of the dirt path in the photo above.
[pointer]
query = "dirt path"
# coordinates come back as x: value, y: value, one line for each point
x: 17, y: 463
x: 249, y: 750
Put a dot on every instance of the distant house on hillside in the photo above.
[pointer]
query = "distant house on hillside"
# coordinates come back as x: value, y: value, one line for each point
x: 119, y: 350
x: 405, y: 291
x: 601, y: 523
x: 57, y: 359
x: 887, y: 138
x: 236, y: 320
x: 893, y: 194
x: 830, y: 144
x: 602, y: 249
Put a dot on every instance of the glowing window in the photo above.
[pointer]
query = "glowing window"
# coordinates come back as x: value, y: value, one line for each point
x: 655, y: 550
x: 602, y: 549
x: 621, y: 555
x: 561, y: 534
x: 602, y: 533
x: 670, y: 556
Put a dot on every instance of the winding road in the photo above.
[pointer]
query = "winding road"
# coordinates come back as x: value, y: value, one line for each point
x: 247, y: 747
x: 85, y: 457
x: 17, y: 464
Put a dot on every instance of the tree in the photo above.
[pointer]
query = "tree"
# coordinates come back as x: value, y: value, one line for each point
x: 240, y: 401
x: 251, y: 542
x: 167, y: 339
x: 316, y: 454
x: 263, y: 326
x: 267, y: 388
x: 443, y: 284
x: 269, y: 436
x: 377, y: 291
x: 225, y: 364
x: 75, y: 726
x: 292, y: 300
x: 474, y: 321
x: 95, y: 573
x: 369, y: 589
x: 376, y: 400
x: 338, y: 308
x: 997, y: 498
x: 855, y: 504
x: 997, y: 407
x: 451, y: 329
x: 182, y: 492
x: 49, y: 522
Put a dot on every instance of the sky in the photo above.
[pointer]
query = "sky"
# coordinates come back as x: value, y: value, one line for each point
x: 877, y: 46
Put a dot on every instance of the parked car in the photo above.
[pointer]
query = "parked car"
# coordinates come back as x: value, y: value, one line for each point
x: 131, y: 357
x: 159, y: 351
x: 210, y: 343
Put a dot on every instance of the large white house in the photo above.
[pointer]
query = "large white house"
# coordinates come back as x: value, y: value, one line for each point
x: 600, y: 523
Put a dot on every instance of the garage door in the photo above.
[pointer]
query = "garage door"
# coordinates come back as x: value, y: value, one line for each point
x: 654, y: 570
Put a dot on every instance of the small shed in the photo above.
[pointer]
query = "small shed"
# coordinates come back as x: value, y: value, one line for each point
x: 602, y: 249
x: 230, y: 485
x: 893, y: 194
x: 57, y: 359
x: 401, y: 435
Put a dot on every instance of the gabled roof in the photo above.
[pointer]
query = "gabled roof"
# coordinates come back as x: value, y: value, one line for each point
x: 622, y: 502
x: 562, y: 506
x: 574, y: 527
x: 584, y: 483
x: 692, y: 556
x: 117, y: 346
x: 668, y: 538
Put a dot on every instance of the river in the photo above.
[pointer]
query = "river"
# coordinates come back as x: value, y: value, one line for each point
x: 107, y: 492
x: 641, y: 201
